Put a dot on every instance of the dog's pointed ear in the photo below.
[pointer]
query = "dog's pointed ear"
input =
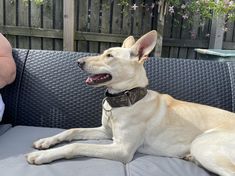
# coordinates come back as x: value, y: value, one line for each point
x: 145, y: 45
x: 128, y: 42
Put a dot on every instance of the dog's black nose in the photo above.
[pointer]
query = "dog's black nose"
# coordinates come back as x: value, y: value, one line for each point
x: 81, y: 64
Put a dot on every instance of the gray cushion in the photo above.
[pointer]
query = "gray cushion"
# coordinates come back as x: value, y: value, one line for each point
x: 144, y: 165
x: 17, y: 141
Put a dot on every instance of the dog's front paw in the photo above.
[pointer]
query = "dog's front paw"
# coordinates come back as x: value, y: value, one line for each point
x: 39, y: 157
x: 44, y: 143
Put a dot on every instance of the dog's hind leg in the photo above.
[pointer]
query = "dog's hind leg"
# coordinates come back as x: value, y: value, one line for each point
x: 74, y: 134
x: 215, y: 150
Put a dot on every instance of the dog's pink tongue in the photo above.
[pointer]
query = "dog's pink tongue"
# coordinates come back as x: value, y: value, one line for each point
x: 93, y: 78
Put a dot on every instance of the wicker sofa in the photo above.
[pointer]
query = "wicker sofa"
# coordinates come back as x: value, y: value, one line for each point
x: 49, y: 95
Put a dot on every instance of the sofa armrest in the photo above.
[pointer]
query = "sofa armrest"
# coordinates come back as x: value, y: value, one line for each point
x: 231, y: 66
x: 10, y: 93
x: 4, y: 128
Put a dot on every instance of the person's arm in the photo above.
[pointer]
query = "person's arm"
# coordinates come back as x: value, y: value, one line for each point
x: 7, y: 64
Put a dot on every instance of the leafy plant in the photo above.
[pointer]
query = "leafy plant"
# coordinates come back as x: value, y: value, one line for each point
x: 37, y: 2
x: 204, y: 9
x: 189, y: 9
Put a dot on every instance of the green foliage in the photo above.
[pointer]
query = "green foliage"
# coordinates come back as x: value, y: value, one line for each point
x: 123, y: 2
x: 205, y: 9
x: 187, y: 9
x: 37, y: 2
x: 191, y: 11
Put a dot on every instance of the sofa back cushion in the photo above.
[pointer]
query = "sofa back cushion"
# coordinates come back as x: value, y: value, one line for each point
x: 52, y: 92
x: 199, y: 81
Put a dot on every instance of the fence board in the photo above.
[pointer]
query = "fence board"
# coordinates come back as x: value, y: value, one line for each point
x: 191, y: 53
x: 48, y: 23
x: 94, y: 23
x: 185, y: 43
x: 82, y: 23
x: 58, y: 22
x: 23, y: 20
x: 167, y: 34
x: 126, y: 22
x: 175, y: 34
x: 30, y: 31
x: 228, y: 36
x: 116, y: 20
x: 206, y: 29
x: 105, y: 22
x: 174, y: 52
x: 11, y: 19
x: 2, y: 13
x: 217, y: 33
x: 35, y: 21
x: 69, y: 25
x: 233, y: 32
x: 158, y: 23
x: 184, y: 34
x: 147, y: 17
x: 229, y: 45
x: 38, y: 27
x: 137, y: 18
x: 177, y: 38
x: 183, y: 53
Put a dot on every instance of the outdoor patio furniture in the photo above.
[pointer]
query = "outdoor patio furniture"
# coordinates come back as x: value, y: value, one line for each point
x: 50, y: 95
x: 216, y: 54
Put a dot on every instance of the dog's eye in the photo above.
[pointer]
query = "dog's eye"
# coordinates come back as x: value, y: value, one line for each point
x: 109, y: 55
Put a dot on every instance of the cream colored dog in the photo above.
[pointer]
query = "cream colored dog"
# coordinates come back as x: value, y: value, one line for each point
x: 157, y: 124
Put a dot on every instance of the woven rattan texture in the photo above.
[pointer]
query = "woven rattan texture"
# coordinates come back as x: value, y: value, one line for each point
x: 231, y: 66
x: 53, y: 92
x: 206, y: 82
x: 10, y: 93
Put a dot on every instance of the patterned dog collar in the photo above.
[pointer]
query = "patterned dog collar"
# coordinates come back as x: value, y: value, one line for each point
x: 125, y: 98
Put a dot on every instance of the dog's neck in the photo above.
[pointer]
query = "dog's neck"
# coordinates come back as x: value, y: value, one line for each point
x: 139, y: 80
x: 111, y: 90
x: 114, y: 91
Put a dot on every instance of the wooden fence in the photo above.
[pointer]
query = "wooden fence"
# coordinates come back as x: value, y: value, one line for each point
x: 94, y: 25
x: 180, y: 41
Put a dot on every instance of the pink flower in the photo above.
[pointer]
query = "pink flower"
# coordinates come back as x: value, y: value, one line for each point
x: 185, y: 16
x: 193, y: 35
x: 152, y: 6
x: 134, y: 7
x: 159, y: 3
x: 183, y: 6
x: 226, y: 2
x: 230, y: 3
x: 171, y: 9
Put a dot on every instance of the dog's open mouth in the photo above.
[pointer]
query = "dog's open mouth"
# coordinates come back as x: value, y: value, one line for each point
x: 98, y: 78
